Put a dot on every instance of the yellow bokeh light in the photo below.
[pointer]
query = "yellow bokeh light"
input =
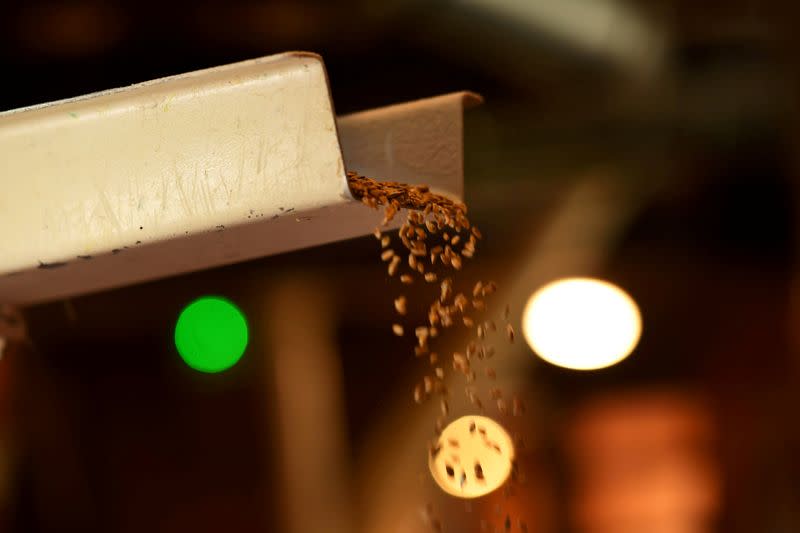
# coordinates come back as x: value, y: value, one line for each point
x: 582, y: 323
x: 473, y: 457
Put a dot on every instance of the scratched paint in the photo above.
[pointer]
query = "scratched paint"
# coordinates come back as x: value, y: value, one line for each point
x: 226, y: 148
x: 251, y: 148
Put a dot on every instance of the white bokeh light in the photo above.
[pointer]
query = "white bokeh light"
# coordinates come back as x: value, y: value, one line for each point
x: 582, y: 323
x: 473, y: 456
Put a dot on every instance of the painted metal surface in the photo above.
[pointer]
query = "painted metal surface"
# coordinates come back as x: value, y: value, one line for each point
x: 200, y: 170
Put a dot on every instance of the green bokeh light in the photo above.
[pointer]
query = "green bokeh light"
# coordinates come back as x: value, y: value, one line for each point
x: 211, y: 334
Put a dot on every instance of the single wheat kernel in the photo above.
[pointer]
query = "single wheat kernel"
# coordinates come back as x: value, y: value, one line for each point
x: 502, y: 406
x: 400, y: 305
x: 472, y: 349
x: 460, y: 301
x: 394, y: 265
x: 476, y: 290
x: 446, y: 289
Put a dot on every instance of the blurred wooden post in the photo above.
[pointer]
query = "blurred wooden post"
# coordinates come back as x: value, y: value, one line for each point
x: 315, y: 483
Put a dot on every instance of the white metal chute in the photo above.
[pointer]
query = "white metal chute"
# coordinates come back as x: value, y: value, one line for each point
x: 200, y: 170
